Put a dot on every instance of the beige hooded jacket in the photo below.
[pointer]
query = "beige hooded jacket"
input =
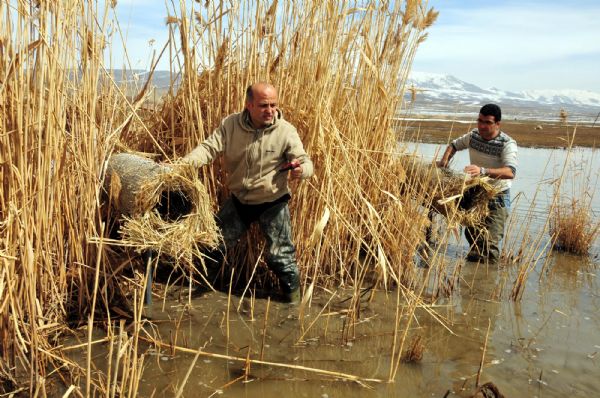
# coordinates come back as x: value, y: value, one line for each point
x: 253, y: 157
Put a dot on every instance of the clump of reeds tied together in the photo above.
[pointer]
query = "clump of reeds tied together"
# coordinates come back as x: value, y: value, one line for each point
x: 458, y: 197
x: 162, y: 209
x: 572, y: 226
x: 340, y: 72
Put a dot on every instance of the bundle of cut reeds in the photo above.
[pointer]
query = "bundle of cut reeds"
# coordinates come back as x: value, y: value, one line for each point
x: 164, y: 209
x: 458, y: 197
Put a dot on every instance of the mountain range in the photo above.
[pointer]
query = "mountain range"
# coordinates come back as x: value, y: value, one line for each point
x: 434, y: 93
x: 443, y: 94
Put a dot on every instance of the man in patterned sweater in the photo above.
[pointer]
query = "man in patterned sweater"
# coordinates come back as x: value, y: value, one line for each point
x: 492, y: 153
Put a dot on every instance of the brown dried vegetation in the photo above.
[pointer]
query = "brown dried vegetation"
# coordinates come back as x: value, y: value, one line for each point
x: 62, y: 116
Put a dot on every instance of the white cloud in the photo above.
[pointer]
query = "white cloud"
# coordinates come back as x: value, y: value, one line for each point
x: 519, y: 44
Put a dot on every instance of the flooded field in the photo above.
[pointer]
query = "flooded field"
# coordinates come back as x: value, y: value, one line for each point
x: 545, y: 345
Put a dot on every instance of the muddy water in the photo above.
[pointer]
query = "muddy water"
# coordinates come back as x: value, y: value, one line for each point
x: 545, y: 345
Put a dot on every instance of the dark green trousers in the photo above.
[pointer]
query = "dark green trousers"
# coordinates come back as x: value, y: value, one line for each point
x: 234, y: 219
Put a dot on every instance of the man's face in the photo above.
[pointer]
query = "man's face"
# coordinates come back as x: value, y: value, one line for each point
x: 263, y: 106
x: 488, y: 126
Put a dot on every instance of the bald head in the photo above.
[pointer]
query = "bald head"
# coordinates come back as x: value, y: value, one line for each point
x: 258, y: 87
x: 261, y: 104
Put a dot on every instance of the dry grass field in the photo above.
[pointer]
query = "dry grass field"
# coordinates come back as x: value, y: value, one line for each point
x: 527, y: 133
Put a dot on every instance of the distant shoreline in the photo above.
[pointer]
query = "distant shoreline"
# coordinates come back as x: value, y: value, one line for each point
x: 527, y: 133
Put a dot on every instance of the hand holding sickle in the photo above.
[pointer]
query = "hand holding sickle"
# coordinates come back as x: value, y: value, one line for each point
x: 294, y: 166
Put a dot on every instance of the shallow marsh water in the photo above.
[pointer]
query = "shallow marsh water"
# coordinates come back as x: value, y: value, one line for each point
x: 545, y: 345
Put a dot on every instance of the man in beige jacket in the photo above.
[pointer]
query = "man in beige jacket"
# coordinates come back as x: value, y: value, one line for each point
x: 259, y: 147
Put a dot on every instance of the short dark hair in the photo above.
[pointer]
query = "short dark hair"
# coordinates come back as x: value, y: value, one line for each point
x: 249, y: 93
x: 491, y: 110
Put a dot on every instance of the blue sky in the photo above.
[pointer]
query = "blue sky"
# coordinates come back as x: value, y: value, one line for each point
x: 516, y: 45
x: 508, y: 44
x: 143, y: 25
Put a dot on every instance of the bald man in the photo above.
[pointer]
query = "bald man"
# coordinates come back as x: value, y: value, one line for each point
x: 260, y: 149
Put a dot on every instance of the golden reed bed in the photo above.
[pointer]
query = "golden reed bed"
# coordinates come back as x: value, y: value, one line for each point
x: 340, y: 72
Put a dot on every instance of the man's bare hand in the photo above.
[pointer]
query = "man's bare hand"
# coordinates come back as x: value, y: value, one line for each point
x: 295, y: 169
x: 296, y: 173
x: 473, y: 170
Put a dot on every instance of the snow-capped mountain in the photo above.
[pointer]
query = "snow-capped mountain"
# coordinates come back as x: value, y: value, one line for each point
x: 575, y: 97
x: 440, y: 93
x: 449, y: 87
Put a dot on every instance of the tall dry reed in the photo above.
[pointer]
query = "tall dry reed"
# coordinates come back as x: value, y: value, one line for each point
x: 340, y: 69
x: 573, y: 227
x: 60, y: 116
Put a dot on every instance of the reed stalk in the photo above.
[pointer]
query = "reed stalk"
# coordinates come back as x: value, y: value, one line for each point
x: 340, y: 69
x: 573, y: 227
